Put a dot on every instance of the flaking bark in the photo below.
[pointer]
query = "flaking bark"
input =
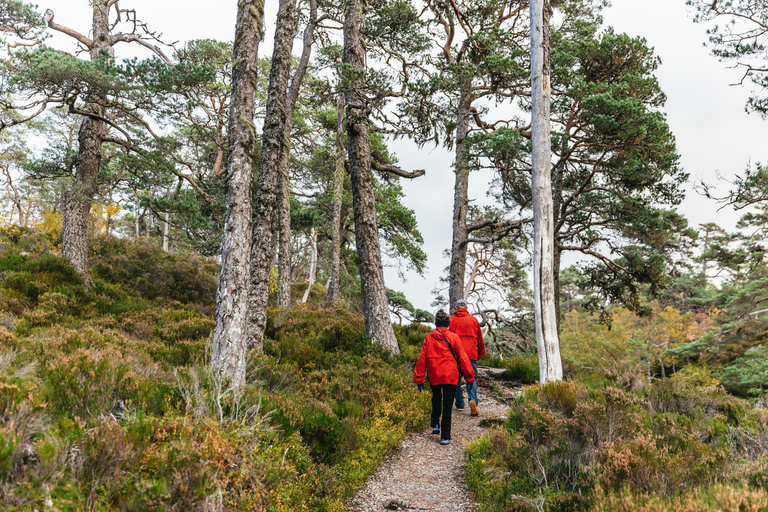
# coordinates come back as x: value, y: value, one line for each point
x: 375, y: 306
x: 312, y: 263
x: 334, y: 281
x: 230, y: 332
x: 78, y: 198
x: 284, y: 243
x: 275, y: 148
x: 458, y: 263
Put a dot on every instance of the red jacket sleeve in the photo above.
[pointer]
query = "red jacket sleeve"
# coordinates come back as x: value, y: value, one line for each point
x: 420, y: 370
x: 480, y: 343
x: 466, y: 365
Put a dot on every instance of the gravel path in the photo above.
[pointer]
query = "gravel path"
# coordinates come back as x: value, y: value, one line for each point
x: 424, y: 475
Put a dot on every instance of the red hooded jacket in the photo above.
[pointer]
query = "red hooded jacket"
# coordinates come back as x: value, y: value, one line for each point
x: 467, y: 328
x: 437, y: 362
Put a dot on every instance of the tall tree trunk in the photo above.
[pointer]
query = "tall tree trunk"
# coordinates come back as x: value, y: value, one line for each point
x: 556, y: 258
x: 275, y: 145
x: 312, y: 263
x: 558, y: 215
x: 375, y: 307
x: 230, y: 333
x: 284, y: 251
x: 334, y: 280
x: 148, y: 224
x: 78, y: 198
x: 166, y: 231
x: 136, y: 222
x: 284, y: 243
x: 550, y: 365
x: 458, y: 265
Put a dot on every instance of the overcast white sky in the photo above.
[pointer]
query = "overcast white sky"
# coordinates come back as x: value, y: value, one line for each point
x: 714, y: 134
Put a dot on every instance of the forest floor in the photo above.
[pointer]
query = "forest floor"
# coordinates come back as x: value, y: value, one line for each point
x: 424, y: 475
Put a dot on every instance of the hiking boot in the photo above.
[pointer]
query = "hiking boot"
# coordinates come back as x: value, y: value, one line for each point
x: 460, y: 407
x: 445, y: 441
x: 436, y: 429
x: 472, y: 408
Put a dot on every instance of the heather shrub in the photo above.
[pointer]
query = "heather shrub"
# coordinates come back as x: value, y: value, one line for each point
x: 21, y: 416
x: 147, y: 271
x: 141, y: 324
x: 717, y: 498
x: 108, y: 404
x: 182, y: 324
x: 7, y: 338
x: 90, y: 382
x: 567, y: 443
x: 52, y: 308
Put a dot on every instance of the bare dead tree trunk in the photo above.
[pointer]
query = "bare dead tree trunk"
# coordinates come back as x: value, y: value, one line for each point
x: 472, y: 276
x: 312, y: 263
x: 230, y: 332
x: 284, y: 244
x: 334, y: 280
x: 550, y: 365
x: 458, y: 264
x: 275, y: 147
x: 375, y: 307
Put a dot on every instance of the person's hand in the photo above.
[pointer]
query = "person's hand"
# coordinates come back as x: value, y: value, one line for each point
x: 420, y: 387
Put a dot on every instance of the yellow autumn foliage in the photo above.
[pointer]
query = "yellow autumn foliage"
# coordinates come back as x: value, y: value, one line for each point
x: 633, y: 349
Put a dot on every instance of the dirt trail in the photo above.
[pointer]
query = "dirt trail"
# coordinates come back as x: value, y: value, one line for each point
x: 424, y: 475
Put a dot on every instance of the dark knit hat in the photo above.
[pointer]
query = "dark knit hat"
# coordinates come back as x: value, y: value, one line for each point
x: 442, y: 319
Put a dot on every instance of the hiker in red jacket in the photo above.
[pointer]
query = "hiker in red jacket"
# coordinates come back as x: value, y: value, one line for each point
x: 466, y: 327
x: 440, y: 359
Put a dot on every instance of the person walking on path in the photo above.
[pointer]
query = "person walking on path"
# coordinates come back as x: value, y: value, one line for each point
x: 467, y: 328
x: 441, y: 359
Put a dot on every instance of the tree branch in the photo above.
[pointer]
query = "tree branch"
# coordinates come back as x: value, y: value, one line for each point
x: 378, y: 166
x: 48, y: 16
x: 133, y: 38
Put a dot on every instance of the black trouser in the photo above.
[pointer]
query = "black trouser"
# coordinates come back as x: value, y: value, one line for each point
x: 442, y: 399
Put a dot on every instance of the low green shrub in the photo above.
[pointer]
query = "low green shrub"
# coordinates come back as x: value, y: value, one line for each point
x: 111, y: 406
x: 575, y: 446
x: 522, y: 368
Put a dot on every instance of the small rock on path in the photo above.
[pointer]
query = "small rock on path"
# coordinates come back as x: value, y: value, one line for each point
x: 424, y: 475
